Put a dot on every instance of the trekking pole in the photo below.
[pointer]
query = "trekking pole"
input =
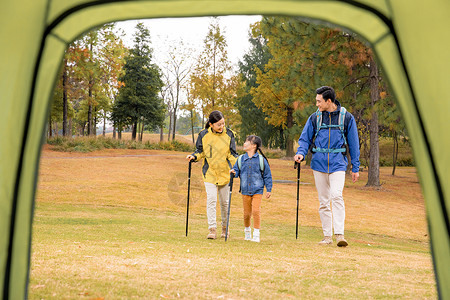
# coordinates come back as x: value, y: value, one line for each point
x: 297, y: 166
x: 229, y: 205
x: 189, y: 190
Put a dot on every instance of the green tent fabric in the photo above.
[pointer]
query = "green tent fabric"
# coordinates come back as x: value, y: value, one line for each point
x: 410, y: 37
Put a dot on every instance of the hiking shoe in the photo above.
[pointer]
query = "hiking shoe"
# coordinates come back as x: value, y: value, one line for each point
x: 224, y: 232
x: 326, y: 241
x: 341, y: 242
x: 255, y: 237
x: 248, y: 234
x: 212, y: 234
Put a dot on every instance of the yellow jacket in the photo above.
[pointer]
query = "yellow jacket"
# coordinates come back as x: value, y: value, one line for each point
x: 218, y: 151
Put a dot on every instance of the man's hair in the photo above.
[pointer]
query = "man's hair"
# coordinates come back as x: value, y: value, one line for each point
x: 327, y: 92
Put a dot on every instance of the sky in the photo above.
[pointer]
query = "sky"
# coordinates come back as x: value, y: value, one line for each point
x: 169, y: 31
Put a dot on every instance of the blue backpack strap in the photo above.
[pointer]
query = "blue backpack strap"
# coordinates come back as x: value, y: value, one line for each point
x: 318, y: 122
x: 239, y: 161
x: 341, y: 122
x: 261, y: 163
x: 341, y: 125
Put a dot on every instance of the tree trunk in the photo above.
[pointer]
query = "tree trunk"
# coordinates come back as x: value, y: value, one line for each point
x: 161, y: 134
x: 114, y: 130
x: 290, y: 139
x: 82, y: 129
x: 119, y: 133
x: 91, y: 83
x: 142, y: 131
x: 50, y: 133
x: 175, y: 110
x: 104, y: 123
x: 56, y: 128
x: 64, y: 84
x: 69, y: 129
x: 394, y: 153
x: 94, y: 123
x: 174, y: 124
x: 170, y: 126
x: 89, y: 121
x: 374, y: 153
x: 134, y: 131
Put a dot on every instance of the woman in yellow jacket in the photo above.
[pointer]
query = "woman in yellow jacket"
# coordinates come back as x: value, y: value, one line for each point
x: 216, y: 146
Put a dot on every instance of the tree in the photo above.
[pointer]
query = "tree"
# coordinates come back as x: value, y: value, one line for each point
x: 374, y: 160
x: 190, y: 105
x: 138, y: 101
x: 177, y: 69
x: 285, y: 81
x: 89, y: 78
x: 211, y: 81
x: 255, y: 118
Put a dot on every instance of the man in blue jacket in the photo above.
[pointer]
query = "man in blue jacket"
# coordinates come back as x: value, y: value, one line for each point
x: 330, y: 132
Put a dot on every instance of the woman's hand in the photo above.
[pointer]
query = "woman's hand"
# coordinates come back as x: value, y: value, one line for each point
x: 190, y: 157
x: 268, y: 194
x: 232, y: 171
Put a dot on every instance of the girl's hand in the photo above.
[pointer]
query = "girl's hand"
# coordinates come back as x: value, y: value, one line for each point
x: 190, y: 157
x: 268, y: 194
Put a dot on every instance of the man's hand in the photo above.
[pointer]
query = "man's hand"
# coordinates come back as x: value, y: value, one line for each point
x: 355, y: 176
x: 298, y: 158
x: 190, y: 157
x: 268, y: 194
x: 232, y: 171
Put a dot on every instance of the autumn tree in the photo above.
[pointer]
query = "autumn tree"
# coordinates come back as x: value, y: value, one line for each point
x: 138, y: 101
x: 88, y: 78
x: 285, y: 81
x: 212, y: 82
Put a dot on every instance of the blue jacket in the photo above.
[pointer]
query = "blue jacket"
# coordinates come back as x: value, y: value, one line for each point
x: 331, y: 138
x: 252, y: 181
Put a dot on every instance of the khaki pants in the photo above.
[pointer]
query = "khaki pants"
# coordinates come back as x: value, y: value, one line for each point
x: 332, y: 208
x: 211, y: 201
x: 252, y: 207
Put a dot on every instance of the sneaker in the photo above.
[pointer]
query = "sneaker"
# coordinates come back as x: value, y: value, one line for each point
x: 248, y: 234
x: 326, y: 241
x: 224, y: 232
x: 255, y: 237
x: 341, y: 242
x: 212, y: 234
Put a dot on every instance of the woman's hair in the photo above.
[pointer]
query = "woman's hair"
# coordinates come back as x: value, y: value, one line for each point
x: 214, y: 117
x: 254, y: 139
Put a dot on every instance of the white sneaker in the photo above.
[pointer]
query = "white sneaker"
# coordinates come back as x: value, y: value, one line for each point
x: 255, y: 237
x: 248, y: 234
x: 327, y: 240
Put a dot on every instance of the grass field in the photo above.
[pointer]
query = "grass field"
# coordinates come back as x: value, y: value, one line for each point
x: 111, y: 225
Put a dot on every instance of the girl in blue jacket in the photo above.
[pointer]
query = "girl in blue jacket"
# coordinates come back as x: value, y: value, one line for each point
x: 254, y: 172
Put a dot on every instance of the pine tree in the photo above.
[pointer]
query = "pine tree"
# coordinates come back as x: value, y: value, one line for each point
x: 138, y: 101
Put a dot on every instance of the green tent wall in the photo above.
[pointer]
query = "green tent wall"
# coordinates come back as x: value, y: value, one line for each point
x: 410, y: 37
